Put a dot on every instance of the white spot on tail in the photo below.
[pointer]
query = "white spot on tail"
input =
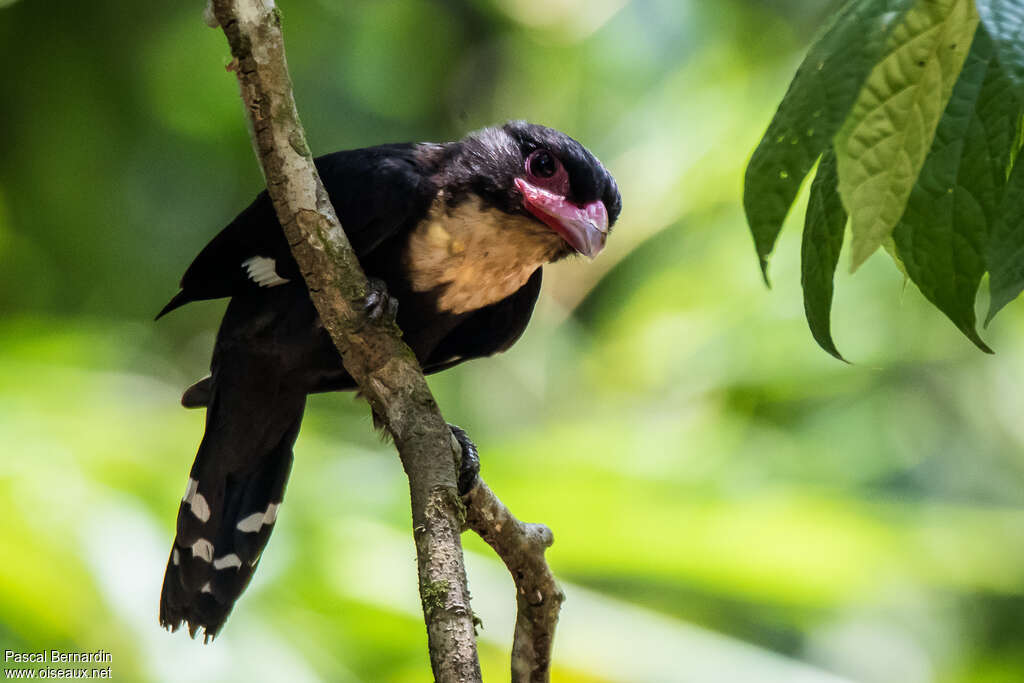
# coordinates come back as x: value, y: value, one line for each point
x: 190, y: 490
x: 231, y: 560
x: 270, y: 516
x: 203, y: 549
x: 251, y: 524
x: 257, y: 520
x: 175, y: 557
x: 206, y: 588
x: 200, y: 508
x: 263, y: 271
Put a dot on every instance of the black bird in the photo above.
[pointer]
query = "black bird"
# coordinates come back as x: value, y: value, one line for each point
x: 454, y: 233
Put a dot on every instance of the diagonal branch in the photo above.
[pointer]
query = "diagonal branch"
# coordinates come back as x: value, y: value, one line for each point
x: 385, y: 369
x: 388, y: 375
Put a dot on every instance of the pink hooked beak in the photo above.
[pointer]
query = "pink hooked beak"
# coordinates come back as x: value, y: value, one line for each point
x: 585, y: 228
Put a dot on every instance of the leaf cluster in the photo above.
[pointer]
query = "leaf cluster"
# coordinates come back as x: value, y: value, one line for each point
x: 912, y: 110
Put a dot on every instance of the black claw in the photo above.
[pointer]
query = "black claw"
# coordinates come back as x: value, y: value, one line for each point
x: 469, y: 468
x: 379, y: 305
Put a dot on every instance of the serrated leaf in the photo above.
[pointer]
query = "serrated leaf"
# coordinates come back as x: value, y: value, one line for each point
x: 943, y: 235
x: 814, y: 107
x: 1004, y: 21
x: 822, y: 240
x: 1006, y: 246
x: 883, y: 144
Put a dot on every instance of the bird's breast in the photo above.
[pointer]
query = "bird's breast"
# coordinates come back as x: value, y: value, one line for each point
x: 474, y: 255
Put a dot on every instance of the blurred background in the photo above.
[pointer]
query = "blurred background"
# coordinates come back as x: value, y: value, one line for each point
x: 729, y: 503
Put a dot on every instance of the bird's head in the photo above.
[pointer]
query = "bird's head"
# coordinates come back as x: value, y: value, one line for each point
x: 541, y: 173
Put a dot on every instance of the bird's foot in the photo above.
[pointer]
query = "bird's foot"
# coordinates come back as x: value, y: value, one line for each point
x: 469, y: 468
x: 378, y: 304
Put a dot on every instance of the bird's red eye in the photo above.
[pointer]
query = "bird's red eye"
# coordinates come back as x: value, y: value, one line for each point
x: 544, y: 170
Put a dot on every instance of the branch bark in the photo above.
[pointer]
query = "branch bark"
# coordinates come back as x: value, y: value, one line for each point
x: 521, y: 547
x: 385, y: 369
x: 388, y: 375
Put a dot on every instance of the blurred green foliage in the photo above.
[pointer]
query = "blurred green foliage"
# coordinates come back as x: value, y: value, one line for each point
x: 714, y: 481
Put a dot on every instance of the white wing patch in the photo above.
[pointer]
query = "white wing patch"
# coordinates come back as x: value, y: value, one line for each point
x: 263, y: 271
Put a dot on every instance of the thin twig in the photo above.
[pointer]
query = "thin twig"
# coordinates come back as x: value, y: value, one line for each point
x: 521, y: 547
x: 384, y: 367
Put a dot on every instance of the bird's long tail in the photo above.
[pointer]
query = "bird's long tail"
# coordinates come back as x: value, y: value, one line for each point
x: 233, y: 494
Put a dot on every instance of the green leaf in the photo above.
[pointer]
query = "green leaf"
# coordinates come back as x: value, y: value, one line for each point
x: 819, y: 254
x: 883, y: 144
x: 943, y: 235
x: 815, y: 105
x: 890, y: 248
x: 1004, y: 20
x: 1006, y: 248
x: 1001, y: 117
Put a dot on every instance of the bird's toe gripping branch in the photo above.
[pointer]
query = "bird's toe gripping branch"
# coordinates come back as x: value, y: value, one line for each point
x: 469, y: 468
x: 379, y: 305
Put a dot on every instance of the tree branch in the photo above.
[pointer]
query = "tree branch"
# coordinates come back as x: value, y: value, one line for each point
x: 385, y: 369
x: 521, y: 547
x: 388, y: 375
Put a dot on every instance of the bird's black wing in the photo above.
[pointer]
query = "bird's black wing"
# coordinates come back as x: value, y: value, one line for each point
x: 377, y: 192
x: 483, y: 332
